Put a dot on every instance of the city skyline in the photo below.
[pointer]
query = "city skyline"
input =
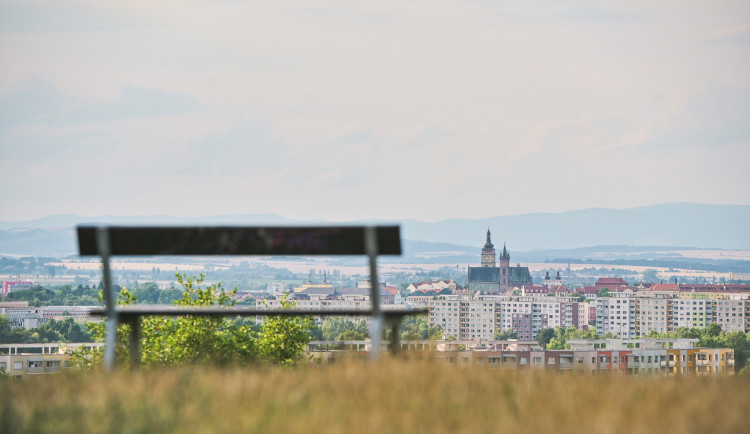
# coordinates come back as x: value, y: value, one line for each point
x: 388, y: 110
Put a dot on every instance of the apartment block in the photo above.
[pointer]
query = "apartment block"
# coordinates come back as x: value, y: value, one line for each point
x: 654, y: 314
x: 22, y: 360
x: 729, y: 314
x: 692, y: 313
x: 616, y: 315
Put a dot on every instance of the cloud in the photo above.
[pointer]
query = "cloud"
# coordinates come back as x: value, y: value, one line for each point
x: 387, y: 109
x: 30, y: 16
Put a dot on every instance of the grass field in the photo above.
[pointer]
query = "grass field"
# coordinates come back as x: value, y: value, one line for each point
x: 359, y: 397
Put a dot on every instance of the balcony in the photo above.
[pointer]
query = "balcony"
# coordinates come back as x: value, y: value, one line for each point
x: 35, y: 367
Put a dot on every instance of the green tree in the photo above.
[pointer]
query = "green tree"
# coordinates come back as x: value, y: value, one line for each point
x: 604, y: 292
x: 650, y: 275
x: 562, y: 335
x: 283, y: 340
x: 504, y: 335
x: 543, y: 336
x: 5, y: 330
x: 202, y: 339
x: 334, y: 328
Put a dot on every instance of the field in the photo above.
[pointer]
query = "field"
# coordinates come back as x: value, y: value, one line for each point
x: 401, y: 395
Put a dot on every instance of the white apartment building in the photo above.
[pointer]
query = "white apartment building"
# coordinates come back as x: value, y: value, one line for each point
x: 730, y: 314
x: 616, y: 315
x: 654, y: 314
x: 446, y: 312
x: 478, y: 317
x: 692, y: 313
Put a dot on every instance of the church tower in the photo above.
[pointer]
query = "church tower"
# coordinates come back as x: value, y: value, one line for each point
x: 504, y: 270
x: 488, y: 252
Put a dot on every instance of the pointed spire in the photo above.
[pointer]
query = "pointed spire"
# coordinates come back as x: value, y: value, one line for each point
x: 488, y: 244
x: 505, y: 254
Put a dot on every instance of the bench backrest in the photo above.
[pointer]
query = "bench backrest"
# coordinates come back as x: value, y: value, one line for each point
x: 236, y: 240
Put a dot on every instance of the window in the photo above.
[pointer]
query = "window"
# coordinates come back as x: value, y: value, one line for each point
x: 551, y: 361
x: 17, y: 365
x: 537, y: 360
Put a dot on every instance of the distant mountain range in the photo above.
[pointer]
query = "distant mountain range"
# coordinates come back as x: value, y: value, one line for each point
x: 674, y: 224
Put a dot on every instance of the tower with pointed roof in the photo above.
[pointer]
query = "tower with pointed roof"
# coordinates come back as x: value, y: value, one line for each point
x: 504, y: 270
x: 488, y: 252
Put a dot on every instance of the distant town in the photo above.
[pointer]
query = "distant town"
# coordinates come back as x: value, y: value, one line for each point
x: 493, y: 312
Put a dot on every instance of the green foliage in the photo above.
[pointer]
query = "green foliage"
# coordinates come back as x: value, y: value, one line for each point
x: 334, y: 329
x: 84, y: 295
x: 201, y: 339
x: 543, y: 336
x: 650, y: 275
x: 149, y: 293
x: 65, y: 295
x: 416, y: 328
x: 504, y: 335
x: 562, y: 335
x: 66, y: 330
x: 604, y: 292
x: 283, y: 340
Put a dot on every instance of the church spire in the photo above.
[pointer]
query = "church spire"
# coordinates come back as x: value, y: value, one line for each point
x: 488, y: 244
x: 505, y: 254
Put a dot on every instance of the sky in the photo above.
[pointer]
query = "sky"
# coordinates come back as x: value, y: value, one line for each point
x: 361, y: 110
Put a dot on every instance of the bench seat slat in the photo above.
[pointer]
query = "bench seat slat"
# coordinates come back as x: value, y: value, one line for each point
x: 172, y: 310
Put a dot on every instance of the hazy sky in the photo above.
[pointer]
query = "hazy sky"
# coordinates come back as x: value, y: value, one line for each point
x: 382, y: 109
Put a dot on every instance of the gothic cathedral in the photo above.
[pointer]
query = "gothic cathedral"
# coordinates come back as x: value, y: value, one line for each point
x: 489, y: 278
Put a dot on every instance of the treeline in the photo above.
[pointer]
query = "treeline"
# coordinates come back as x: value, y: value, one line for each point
x: 28, y: 265
x: 65, y: 295
x: 717, y: 265
x: 85, y: 295
x: 342, y: 329
x: 66, y: 330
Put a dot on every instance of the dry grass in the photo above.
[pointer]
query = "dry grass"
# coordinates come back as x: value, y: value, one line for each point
x: 359, y: 397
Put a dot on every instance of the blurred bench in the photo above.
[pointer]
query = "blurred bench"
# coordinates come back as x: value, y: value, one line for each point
x: 108, y: 241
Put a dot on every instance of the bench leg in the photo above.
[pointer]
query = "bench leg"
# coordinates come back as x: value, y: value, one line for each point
x: 135, y: 342
x: 395, y: 324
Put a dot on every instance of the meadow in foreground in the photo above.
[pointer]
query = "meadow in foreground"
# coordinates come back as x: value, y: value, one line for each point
x: 393, y: 395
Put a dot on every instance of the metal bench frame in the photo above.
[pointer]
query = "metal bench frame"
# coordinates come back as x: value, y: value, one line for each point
x: 107, y: 241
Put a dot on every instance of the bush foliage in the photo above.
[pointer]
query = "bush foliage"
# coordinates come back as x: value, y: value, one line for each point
x: 205, y: 340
